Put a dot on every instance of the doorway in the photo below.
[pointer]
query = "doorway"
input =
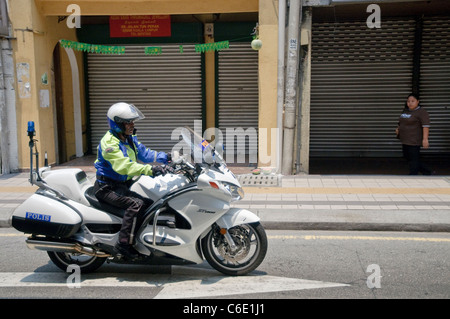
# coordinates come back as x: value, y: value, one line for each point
x: 60, y: 132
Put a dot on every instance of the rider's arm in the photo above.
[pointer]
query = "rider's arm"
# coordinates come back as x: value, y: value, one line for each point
x: 147, y: 155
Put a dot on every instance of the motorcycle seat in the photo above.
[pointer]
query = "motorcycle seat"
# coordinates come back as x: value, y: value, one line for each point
x: 93, y: 200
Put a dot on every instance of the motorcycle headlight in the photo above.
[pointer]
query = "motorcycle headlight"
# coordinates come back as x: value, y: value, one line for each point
x: 236, y: 192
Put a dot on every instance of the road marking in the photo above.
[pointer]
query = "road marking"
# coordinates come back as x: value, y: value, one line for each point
x: 323, y: 237
x: 172, y: 286
x: 221, y: 286
x: 320, y: 237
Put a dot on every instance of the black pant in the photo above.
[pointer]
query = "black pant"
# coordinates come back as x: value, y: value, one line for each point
x: 412, y: 155
x: 119, y: 195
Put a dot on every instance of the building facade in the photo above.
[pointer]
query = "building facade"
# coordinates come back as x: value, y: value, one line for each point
x: 353, y: 75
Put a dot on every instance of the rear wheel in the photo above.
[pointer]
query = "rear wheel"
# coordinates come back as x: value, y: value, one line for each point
x: 86, y: 263
x: 251, y: 248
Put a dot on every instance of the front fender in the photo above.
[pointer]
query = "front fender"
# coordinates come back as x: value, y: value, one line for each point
x: 237, y: 216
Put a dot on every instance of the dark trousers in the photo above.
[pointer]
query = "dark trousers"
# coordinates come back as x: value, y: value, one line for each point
x: 412, y: 155
x: 119, y: 195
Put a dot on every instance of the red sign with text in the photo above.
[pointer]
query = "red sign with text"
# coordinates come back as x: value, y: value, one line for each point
x: 139, y: 26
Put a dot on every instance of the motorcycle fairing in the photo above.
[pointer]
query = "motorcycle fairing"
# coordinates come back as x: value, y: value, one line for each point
x: 236, y: 216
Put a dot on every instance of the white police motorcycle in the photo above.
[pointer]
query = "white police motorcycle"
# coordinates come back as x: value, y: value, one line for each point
x: 190, y: 220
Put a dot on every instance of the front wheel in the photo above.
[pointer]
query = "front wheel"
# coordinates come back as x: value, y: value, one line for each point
x: 251, y: 248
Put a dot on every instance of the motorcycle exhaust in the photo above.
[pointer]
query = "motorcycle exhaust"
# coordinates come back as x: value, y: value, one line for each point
x: 64, y: 248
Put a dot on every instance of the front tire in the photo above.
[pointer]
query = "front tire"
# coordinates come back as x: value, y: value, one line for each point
x: 86, y: 263
x: 251, y: 248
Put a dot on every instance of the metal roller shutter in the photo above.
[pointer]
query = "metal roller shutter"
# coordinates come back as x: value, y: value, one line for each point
x: 167, y: 88
x: 360, y: 78
x: 435, y: 81
x: 238, y: 95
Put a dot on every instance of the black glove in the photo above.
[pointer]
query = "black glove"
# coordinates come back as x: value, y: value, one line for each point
x: 159, y: 170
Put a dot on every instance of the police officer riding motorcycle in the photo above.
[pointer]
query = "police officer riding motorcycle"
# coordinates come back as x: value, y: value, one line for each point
x: 117, y: 163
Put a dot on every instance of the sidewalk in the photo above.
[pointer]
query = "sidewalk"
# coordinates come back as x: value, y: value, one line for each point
x: 381, y: 203
x: 315, y: 202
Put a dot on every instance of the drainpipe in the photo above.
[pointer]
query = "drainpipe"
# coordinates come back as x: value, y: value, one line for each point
x: 8, y: 127
x: 291, y: 86
x: 280, y: 79
x: 4, y: 132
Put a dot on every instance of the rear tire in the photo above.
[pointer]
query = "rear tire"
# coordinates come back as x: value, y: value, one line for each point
x: 251, y: 248
x: 86, y: 263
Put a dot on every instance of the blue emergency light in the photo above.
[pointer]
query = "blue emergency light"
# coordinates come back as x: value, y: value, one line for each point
x: 31, y: 131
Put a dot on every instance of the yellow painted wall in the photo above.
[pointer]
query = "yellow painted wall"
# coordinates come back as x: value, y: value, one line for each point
x: 210, y: 86
x: 129, y: 7
x: 35, y: 39
x: 268, y: 65
x: 35, y: 46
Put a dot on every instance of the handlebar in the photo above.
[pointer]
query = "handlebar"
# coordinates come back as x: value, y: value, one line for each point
x: 183, y: 167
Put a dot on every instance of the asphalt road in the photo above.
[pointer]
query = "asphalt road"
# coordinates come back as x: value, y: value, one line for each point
x: 299, y: 264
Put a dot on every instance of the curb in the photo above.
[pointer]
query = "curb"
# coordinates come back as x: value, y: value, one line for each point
x: 342, y: 226
x: 334, y: 226
x: 5, y: 223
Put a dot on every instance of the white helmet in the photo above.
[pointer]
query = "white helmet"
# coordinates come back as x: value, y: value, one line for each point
x: 121, y: 113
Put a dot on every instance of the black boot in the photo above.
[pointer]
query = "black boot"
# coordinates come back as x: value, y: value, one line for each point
x: 127, y: 251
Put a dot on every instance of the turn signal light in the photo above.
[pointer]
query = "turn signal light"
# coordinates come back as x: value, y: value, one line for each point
x: 214, y: 185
